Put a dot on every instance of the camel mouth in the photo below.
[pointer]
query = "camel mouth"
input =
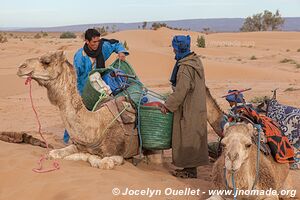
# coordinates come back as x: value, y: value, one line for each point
x: 33, y: 75
x: 24, y: 74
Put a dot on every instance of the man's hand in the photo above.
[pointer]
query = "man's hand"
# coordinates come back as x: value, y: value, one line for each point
x: 122, y: 56
x: 163, y: 109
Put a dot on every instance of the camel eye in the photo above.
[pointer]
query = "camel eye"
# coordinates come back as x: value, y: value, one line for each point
x: 45, y: 60
x: 248, y: 145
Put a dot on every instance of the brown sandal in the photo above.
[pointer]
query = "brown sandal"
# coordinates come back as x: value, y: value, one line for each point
x: 184, y: 174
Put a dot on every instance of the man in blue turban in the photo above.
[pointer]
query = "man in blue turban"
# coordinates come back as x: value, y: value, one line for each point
x: 188, y: 103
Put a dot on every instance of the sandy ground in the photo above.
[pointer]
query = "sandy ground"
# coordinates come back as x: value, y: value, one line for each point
x: 228, y: 64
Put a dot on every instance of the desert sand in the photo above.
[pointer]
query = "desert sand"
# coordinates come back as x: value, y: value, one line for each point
x: 227, y: 62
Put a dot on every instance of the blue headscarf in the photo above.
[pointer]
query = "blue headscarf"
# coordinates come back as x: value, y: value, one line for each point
x: 239, y: 98
x: 182, y: 45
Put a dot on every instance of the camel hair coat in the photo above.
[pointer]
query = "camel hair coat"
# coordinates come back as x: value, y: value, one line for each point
x: 188, y: 103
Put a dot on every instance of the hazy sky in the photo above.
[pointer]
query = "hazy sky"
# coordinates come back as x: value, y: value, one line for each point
x: 33, y: 13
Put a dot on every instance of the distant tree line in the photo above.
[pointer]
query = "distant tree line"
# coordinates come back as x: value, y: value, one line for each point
x: 266, y: 21
x: 157, y: 25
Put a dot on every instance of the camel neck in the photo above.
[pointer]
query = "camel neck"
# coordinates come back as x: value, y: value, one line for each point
x: 63, y: 93
x: 215, y: 113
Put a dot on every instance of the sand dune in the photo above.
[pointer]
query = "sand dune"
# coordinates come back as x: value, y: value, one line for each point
x: 228, y: 64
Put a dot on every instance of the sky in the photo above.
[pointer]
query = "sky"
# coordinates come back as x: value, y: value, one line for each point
x: 41, y: 13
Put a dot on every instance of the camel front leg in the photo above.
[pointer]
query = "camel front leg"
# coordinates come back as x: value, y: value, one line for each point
x: 78, y: 157
x: 63, y: 152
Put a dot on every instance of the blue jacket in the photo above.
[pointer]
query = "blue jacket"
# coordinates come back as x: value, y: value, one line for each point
x: 83, y: 63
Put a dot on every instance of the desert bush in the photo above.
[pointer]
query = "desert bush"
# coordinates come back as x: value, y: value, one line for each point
x: 3, y: 39
x: 263, y: 22
x: 157, y: 25
x: 259, y: 99
x: 37, y: 36
x: 126, y: 45
x: 287, y: 60
x: 66, y: 35
x: 201, y: 42
x: 290, y: 89
x: 44, y: 34
x: 253, y: 58
x: 298, y: 50
x: 144, y: 25
x: 102, y: 30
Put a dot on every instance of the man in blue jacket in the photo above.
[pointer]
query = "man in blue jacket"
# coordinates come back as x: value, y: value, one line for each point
x: 92, y: 56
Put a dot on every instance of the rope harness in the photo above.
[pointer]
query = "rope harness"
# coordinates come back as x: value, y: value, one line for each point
x: 258, y: 127
x: 55, y: 163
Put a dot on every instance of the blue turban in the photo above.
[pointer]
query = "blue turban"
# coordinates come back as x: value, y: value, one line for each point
x: 238, y: 98
x: 182, y: 45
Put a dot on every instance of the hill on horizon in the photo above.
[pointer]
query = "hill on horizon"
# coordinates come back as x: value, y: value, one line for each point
x: 214, y: 24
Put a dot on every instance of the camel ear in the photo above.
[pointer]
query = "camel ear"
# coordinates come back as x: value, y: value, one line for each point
x: 61, y: 54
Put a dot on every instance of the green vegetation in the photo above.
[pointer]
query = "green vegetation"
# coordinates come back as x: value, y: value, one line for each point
x: 3, y: 39
x: 201, y: 42
x: 144, y: 25
x: 102, y: 30
x: 156, y: 26
x: 287, y: 60
x: 265, y: 21
x: 126, y: 45
x: 66, y: 35
x: 259, y: 99
x: 44, y: 34
x: 290, y: 61
x: 37, y: 36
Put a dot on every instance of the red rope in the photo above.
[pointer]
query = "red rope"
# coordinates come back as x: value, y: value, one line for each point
x: 43, y: 157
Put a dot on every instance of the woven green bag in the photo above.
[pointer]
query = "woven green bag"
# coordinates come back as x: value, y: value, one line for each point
x: 89, y: 94
x: 124, y: 66
x: 155, y: 128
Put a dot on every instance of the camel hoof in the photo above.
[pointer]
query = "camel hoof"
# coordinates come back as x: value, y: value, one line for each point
x: 94, y: 160
x: 118, y: 160
x: 106, y: 163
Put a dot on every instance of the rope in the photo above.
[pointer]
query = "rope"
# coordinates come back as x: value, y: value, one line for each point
x: 43, y: 157
x: 97, y: 143
x: 234, y: 186
x: 139, y: 123
x: 101, y: 97
x: 259, y: 130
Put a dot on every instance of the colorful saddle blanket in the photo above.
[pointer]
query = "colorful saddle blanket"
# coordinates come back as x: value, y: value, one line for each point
x: 289, y: 120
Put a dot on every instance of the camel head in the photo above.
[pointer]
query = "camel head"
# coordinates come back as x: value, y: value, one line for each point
x: 237, y: 145
x: 43, y: 69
